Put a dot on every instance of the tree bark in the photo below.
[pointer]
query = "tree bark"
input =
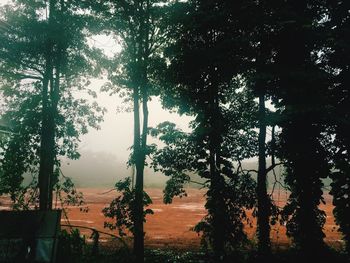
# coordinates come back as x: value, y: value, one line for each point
x: 55, y: 96
x: 46, y: 152
x: 263, y: 226
x: 306, y: 167
x: 50, y: 98
x: 140, y: 156
x: 45, y: 171
x: 140, y: 142
x: 217, y: 207
x: 304, y: 156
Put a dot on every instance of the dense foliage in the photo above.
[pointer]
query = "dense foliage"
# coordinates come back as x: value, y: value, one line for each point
x: 140, y: 27
x: 121, y: 210
x: 220, y: 62
x: 45, y: 63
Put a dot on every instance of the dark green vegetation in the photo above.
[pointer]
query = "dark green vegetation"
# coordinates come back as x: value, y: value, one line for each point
x: 218, y: 61
x: 44, y: 59
x: 74, y: 249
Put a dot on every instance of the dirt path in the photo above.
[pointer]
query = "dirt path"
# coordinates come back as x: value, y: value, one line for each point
x: 170, y: 225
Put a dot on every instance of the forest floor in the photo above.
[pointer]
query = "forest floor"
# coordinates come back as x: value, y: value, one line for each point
x: 170, y: 226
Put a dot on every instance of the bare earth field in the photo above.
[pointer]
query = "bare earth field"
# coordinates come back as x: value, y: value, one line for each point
x: 170, y: 226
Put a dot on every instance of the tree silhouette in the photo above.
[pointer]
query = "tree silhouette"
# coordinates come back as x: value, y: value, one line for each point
x: 301, y: 89
x: 339, y: 116
x: 218, y: 61
x: 141, y: 27
x: 204, y: 69
x: 42, y: 59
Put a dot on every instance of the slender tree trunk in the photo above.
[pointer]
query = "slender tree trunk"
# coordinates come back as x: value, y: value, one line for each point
x: 141, y: 140
x: 216, y: 202
x: 45, y: 168
x: 50, y: 98
x: 138, y: 232
x: 47, y: 157
x: 217, y: 208
x: 55, y: 98
x: 45, y: 171
x: 264, y: 245
x: 139, y: 163
x: 52, y: 123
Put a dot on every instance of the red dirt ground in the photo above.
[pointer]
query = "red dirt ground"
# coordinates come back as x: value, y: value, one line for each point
x: 170, y: 225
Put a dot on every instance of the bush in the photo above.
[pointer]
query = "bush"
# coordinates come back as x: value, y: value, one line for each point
x: 71, y: 247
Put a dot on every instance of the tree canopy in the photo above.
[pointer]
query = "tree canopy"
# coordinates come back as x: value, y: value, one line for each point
x: 220, y: 62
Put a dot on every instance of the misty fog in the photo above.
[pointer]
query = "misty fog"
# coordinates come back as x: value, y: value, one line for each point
x: 105, y: 152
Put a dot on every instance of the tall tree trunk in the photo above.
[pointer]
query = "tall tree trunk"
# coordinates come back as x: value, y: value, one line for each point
x: 46, y: 152
x: 305, y: 159
x: 45, y: 171
x: 141, y: 140
x: 55, y: 96
x: 305, y: 167
x: 216, y: 208
x: 50, y: 98
x: 263, y: 226
x: 215, y: 201
x: 139, y: 163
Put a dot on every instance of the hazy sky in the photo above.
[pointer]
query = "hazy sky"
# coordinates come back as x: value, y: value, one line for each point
x: 116, y: 134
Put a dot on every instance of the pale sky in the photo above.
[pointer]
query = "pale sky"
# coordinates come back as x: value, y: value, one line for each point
x: 116, y: 134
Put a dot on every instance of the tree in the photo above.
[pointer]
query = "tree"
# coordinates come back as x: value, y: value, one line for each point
x: 185, y: 154
x: 337, y: 65
x: 122, y: 210
x: 42, y: 60
x: 204, y: 60
x: 261, y: 80
x: 140, y: 27
x: 301, y: 89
